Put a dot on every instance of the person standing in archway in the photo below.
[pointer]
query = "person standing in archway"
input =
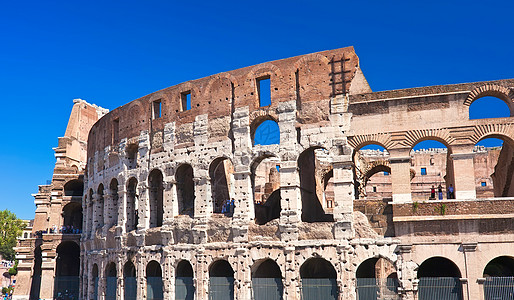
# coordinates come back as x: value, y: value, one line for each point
x: 440, y: 192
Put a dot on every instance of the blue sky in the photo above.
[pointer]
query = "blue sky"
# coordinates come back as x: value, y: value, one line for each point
x: 112, y: 52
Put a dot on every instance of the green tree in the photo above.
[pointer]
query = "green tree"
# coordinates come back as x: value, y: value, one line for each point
x: 10, y: 229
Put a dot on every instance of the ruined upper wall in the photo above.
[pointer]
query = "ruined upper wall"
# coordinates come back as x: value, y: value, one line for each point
x: 309, y: 79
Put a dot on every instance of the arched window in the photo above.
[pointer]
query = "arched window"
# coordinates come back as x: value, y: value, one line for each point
x: 110, y: 282
x: 184, y: 287
x: 309, y: 163
x: 221, y: 171
x: 185, y: 190
x: 318, y: 279
x: 372, y: 172
x: 155, y: 182
x: 221, y: 281
x: 267, y: 133
x: 267, y: 280
x: 99, y: 211
x: 439, y: 276
x: 132, y: 204
x: 376, y: 279
x: 154, y: 286
x: 72, y: 214
x: 112, y: 207
x: 130, y: 283
x: 74, y: 188
x: 499, y: 274
x: 492, y: 162
x: 431, y: 171
x: 265, y: 180
x: 67, y: 270
x: 489, y: 107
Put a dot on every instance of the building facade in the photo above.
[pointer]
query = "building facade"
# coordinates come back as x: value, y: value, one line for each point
x: 179, y: 201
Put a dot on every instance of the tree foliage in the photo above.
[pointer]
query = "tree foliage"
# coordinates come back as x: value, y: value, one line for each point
x: 10, y: 229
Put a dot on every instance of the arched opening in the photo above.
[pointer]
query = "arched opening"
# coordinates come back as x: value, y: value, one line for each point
x: 185, y: 190
x: 110, y: 281
x: 372, y: 173
x: 311, y: 164
x: 99, y: 211
x: 267, y: 281
x: 376, y: 279
x: 439, y: 278
x: 67, y: 270
x: 328, y: 192
x: 494, y: 167
x: 221, y: 281
x: 221, y: 172
x: 318, y: 279
x: 265, y: 181
x: 154, y: 285
x: 184, y: 287
x: 90, y: 213
x: 132, y: 205
x: 432, y: 167
x: 72, y: 215
x: 130, y: 282
x: 95, y: 281
x: 74, y: 188
x: 35, y: 286
x: 156, y: 191
x: 266, y: 133
x: 499, y: 278
x: 112, y: 207
x: 489, y: 107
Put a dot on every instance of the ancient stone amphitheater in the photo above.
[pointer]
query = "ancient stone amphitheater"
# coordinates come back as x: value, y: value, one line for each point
x: 180, y: 202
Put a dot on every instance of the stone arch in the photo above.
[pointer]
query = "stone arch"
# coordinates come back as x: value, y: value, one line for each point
x: 501, y: 131
x: 111, y: 281
x: 72, y: 217
x: 184, y: 284
x: 312, y: 68
x: 265, y: 182
x: 156, y: 197
x: 311, y: 187
x: 67, y: 269
x: 501, y: 266
x: 376, y: 276
x: 112, y: 206
x: 131, y: 220
x: 221, y: 279
x: 130, y: 281
x: 220, y: 173
x: 263, y: 70
x: 382, y: 139
x: 318, y: 279
x: 185, y: 185
x: 258, y: 118
x: 501, y: 92
x: 438, y: 266
x: 441, y: 274
x: 154, y: 283
x: 74, y: 187
x: 267, y: 279
x: 414, y: 137
x: 100, y: 205
x: 266, y: 268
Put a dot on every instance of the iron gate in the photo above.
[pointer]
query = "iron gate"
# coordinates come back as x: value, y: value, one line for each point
x: 499, y: 288
x: 110, y: 288
x: 130, y: 288
x: 319, y: 288
x: 154, y: 288
x: 184, y: 288
x: 221, y: 288
x: 440, y: 288
x: 66, y: 287
x: 95, y: 291
x: 377, y: 289
x: 267, y: 288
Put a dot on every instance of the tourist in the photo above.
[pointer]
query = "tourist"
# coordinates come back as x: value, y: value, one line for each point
x: 451, y: 192
x: 432, y: 193
x: 440, y: 192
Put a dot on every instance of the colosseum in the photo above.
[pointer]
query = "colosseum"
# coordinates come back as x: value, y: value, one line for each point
x: 178, y: 200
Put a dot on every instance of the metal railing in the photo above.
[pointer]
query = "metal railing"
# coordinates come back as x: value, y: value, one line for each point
x: 499, y: 288
x: 267, y: 288
x: 154, y: 288
x: 319, y: 288
x: 111, y: 283
x: 184, y: 288
x: 130, y: 288
x: 66, y: 287
x: 221, y: 288
x: 377, y: 289
x: 440, y: 288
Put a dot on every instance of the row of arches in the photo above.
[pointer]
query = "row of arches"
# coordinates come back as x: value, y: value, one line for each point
x: 314, y: 178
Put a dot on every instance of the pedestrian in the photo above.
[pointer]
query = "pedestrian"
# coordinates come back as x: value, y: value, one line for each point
x: 432, y: 193
x: 451, y: 192
x: 440, y: 192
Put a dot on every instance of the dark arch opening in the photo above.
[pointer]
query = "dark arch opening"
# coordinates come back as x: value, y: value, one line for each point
x: 130, y: 282
x: 185, y: 190
x: 72, y: 214
x: 265, y: 181
x: 35, y: 286
x: 110, y: 281
x: 267, y: 280
x: 269, y: 210
x: 154, y: 286
x: 221, y: 280
x: 266, y: 133
x: 100, y: 206
x: 155, y: 180
x: 489, y: 107
x: 112, y: 207
x: 502, y: 266
x: 438, y: 267
x: 95, y: 281
x: 132, y: 213
x: 67, y: 270
x: 376, y: 277
x: 221, y: 171
x: 318, y: 279
x: 310, y: 162
x: 184, y: 287
x: 74, y: 188
x: 367, y: 185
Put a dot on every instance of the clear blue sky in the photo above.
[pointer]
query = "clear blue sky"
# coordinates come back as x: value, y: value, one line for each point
x: 111, y: 52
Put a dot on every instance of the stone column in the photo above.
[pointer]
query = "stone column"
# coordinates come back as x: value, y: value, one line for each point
x: 400, y: 175
x: 343, y: 195
x: 200, y: 218
x: 472, y: 271
x: 201, y: 274
x: 291, y: 202
x: 169, y: 198
x: 47, y: 275
x: 463, y: 165
x: 243, y: 199
x: 143, y: 207
x: 291, y: 275
x: 140, y: 277
x: 107, y: 211
x: 243, y: 280
x: 407, y: 275
x: 121, y: 210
